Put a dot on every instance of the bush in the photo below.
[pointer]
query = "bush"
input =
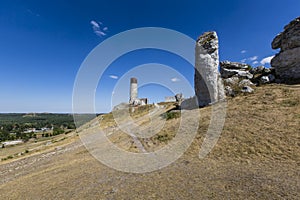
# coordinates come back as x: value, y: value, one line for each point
x: 171, y: 115
x: 57, y: 131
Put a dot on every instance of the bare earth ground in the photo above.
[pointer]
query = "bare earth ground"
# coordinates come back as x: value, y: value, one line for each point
x: 256, y: 157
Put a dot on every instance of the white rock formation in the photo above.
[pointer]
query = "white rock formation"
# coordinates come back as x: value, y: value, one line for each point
x: 208, y: 83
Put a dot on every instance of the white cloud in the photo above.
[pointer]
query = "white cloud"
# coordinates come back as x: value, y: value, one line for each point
x: 250, y: 59
x: 253, y: 58
x: 113, y: 77
x: 100, y: 33
x: 244, y: 60
x: 243, y: 51
x: 175, y: 79
x: 255, y: 62
x: 95, y: 24
x: 266, y: 60
x: 97, y: 28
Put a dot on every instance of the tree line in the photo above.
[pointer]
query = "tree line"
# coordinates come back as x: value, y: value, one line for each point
x: 14, y: 126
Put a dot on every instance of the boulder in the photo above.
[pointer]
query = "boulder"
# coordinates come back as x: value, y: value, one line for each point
x: 245, y: 82
x: 247, y: 89
x: 179, y: 97
x: 231, y: 81
x: 227, y: 73
x: 287, y: 62
x: 233, y: 65
x: 229, y: 91
x: 289, y: 38
x: 264, y: 79
x: 245, y: 74
x: 230, y: 69
x: 272, y: 78
x: 257, y: 70
x: 287, y: 65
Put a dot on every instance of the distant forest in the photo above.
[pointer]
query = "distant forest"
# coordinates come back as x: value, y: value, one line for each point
x: 16, y: 125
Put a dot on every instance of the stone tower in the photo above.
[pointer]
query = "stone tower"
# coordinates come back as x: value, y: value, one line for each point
x: 133, y: 90
x: 208, y: 83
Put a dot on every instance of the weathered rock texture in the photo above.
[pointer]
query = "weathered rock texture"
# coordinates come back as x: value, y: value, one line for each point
x: 208, y: 83
x: 133, y: 90
x: 134, y: 100
x: 229, y: 69
x: 287, y: 61
x: 236, y: 76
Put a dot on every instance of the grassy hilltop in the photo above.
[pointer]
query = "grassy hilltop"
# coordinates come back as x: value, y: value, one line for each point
x: 256, y: 157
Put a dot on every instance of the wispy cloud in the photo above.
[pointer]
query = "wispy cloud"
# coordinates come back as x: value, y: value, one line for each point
x: 95, y: 24
x: 244, y: 60
x: 255, y: 62
x: 97, y: 28
x: 243, y: 51
x: 250, y: 59
x: 175, y: 79
x: 253, y: 58
x: 266, y: 60
x: 113, y: 76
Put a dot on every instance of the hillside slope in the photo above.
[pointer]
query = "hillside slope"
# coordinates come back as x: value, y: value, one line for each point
x: 256, y: 157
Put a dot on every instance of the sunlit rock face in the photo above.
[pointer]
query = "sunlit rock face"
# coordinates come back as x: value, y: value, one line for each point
x: 287, y: 61
x: 208, y: 83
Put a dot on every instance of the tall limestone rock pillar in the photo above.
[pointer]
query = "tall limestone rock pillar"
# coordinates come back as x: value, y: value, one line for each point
x: 208, y: 83
x: 133, y: 90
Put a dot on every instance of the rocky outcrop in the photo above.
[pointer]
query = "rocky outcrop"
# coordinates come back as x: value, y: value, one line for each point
x: 229, y: 69
x: 240, y: 77
x: 287, y: 61
x: 208, y: 84
x: 179, y: 98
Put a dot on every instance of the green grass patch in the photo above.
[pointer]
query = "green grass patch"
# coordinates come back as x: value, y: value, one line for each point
x: 171, y: 115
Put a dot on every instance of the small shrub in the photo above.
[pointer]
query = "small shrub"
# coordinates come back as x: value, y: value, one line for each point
x: 249, y: 67
x: 57, y: 131
x: 171, y: 115
x: 163, y: 138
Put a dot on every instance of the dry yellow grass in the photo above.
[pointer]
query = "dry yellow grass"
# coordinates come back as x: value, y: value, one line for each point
x: 256, y: 157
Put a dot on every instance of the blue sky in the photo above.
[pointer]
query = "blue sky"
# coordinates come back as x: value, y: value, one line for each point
x: 43, y: 43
